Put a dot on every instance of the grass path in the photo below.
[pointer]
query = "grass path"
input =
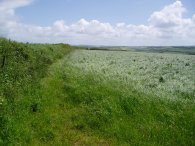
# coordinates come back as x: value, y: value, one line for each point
x: 53, y: 121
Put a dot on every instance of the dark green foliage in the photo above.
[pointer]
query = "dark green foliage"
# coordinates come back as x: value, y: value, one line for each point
x: 34, y: 107
x: 161, y: 80
x: 187, y: 64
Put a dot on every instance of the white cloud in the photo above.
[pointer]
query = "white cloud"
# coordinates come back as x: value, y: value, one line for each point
x: 8, y: 20
x: 169, y: 16
x: 165, y: 27
x: 173, y: 28
x: 92, y: 27
x: 8, y: 6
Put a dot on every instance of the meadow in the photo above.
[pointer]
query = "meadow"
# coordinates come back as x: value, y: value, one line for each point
x: 63, y: 95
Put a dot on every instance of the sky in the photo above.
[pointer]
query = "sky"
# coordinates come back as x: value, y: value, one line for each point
x: 99, y: 22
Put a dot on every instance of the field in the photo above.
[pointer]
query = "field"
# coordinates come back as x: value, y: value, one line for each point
x: 63, y: 95
x: 165, y: 75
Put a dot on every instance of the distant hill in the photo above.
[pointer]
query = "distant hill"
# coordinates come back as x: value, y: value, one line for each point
x: 190, y: 50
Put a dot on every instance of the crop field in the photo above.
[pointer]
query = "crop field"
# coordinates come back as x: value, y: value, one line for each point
x: 164, y: 75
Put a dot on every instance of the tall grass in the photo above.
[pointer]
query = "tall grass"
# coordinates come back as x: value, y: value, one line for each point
x: 22, y: 66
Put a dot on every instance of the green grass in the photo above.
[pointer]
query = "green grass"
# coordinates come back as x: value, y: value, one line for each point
x: 121, y: 113
x: 48, y: 101
x: 22, y: 66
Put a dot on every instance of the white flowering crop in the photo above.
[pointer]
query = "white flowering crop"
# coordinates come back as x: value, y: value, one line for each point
x: 164, y: 75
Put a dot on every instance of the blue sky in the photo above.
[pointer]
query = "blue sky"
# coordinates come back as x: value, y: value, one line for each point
x: 45, y: 12
x: 99, y: 22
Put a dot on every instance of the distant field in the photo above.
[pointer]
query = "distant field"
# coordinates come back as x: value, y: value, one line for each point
x: 61, y: 95
x: 189, y: 50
